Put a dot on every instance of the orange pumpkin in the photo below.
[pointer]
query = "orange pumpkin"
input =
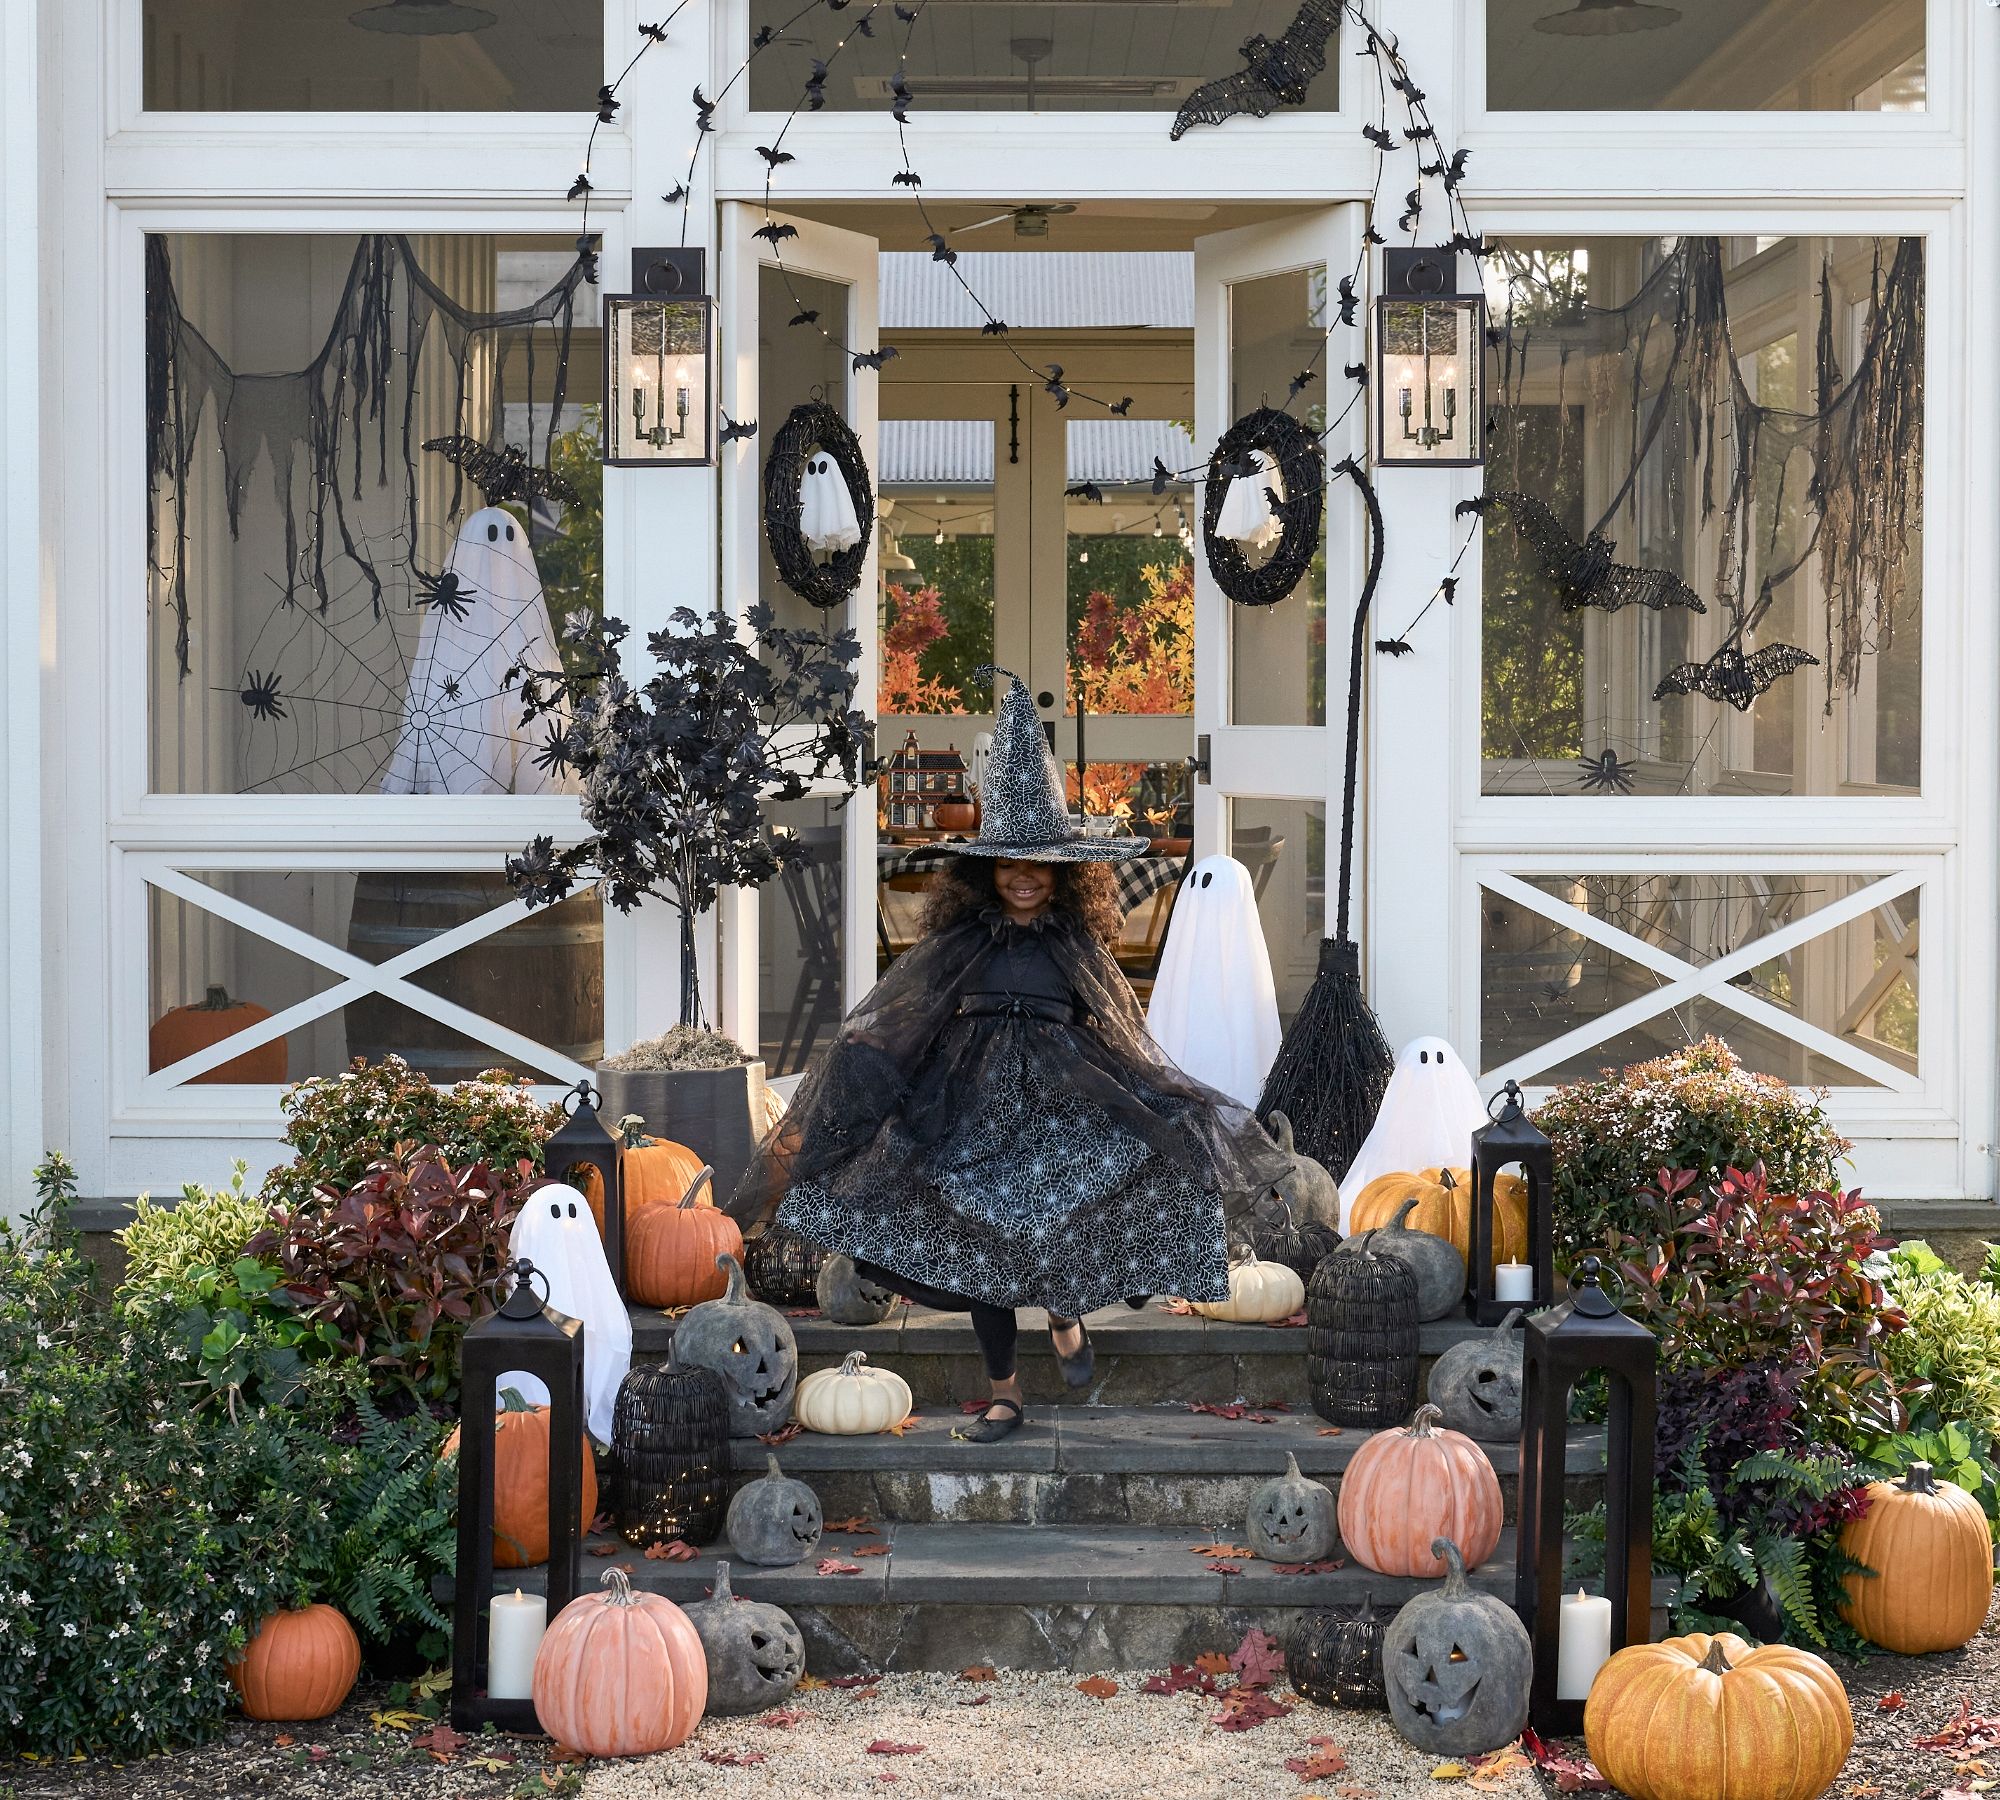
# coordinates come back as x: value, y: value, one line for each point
x: 208, y: 1021
x: 1444, y: 1208
x: 1408, y: 1487
x: 672, y: 1252
x: 620, y: 1673
x: 653, y: 1170
x: 1932, y: 1553
x: 1710, y: 1718
x: 300, y: 1665
x: 521, y: 1482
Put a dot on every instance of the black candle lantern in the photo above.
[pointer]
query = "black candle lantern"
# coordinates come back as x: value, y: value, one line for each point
x: 580, y: 1143
x: 658, y: 365
x: 530, y: 1338
x: 1510, y: 1141
x: 1429, y: 337
x: 1587, y: 1332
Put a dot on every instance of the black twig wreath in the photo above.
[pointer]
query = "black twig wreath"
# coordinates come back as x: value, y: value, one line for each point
x: 1293, y: 450
x: 807, y: 428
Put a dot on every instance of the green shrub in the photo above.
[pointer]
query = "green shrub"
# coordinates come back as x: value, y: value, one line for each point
x: 1952, y: 1340
x: 1963, y: 1454
x: 1699, y: 1110
x: 169, y: 1248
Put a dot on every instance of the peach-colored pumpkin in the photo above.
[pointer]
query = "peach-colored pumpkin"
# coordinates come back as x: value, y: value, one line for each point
x: 652, y: 1170
x: 1405, y: 1488
x: 300, y: 1665
x: 671, y: 1251
x: 521, y: 1482
x: 620, y: 1673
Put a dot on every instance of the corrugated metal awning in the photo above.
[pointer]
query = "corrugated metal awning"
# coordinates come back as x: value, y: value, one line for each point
x: 1041, y: 290
x: 959, y: 452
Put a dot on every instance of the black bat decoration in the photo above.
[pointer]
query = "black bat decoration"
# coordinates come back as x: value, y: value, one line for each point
x: 766, y: 34
x: 900, y: 99
x: 775, y: 158
x: 1393, y: 646
x: 676, y: 194
x: 1084, y: 490
x: 586, y: 254
x: 1605, y: 773
x: 1370, y: 235
x: 816, y: 86
x: 1277, y: 72
x: 1054, y: 385
x: 446, y: 592
x: 658, y: 33
x: 773, y: 233
x: 704, y: 110
x: 874, y: 359
x: 732, y: 430
x: 1356, y: 373
x: 1731, y: 676
x: 1414, y: 134
x: 1382, y: 140
x: 1584, y: 574
x: 1408, y: 89
x: 578, y: 188
x: 607, y: 105
x: 865, y: 25
x: 1476, y: 506
x: 810, y: 316
x: 908, y: 14
x: 503, y: 474
x: 1448, y: 587
x: 906, y: 178
x: 994, y: 328
x: 1413, y: 206
x: 1300, y: 382
x: 1350, y: 301
x: 940, y: 250
x: 1121, y: 409
x: 1161, y: 476
x: 1473, y: 242
x: 260, y: 695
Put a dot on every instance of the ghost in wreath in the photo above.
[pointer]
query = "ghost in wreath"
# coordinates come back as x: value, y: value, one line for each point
x: 1428, y: 1115
x: 1214, y: 1008
x: 1247, y: 514
x: 555, y: 1232
x: 826, y: 509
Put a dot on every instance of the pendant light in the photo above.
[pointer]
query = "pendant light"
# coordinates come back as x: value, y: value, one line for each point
x: 1608, y: 18
x: 422, y: 18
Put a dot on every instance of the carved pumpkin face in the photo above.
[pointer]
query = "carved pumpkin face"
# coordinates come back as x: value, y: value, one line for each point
x: 1291, y: 1519
x: 848, y: 1297
x: 755, y: 1652
x: 775, y: 1520
x: 751, y: 1347
x: 1457, y: 1665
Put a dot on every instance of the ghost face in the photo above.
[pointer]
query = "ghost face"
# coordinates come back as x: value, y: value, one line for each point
x: 556, y: 1233
x: 827, y: 519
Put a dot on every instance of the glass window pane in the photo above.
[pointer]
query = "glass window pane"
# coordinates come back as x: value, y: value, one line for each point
x: 937, y: 524
x: 1782, y: 491
x: 1020, y: 55
x: 1283, y: 845
x: 1697, y: 55
x: 373, y: 55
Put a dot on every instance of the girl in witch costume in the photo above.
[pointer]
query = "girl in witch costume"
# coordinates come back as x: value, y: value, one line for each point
x: 993, y: 1128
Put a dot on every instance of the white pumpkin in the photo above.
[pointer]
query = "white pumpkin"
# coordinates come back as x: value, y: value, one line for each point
x: 852, y: 1400
x: 1259, y: 1292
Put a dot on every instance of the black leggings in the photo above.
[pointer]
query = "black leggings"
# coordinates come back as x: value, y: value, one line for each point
x: 993, y: 1326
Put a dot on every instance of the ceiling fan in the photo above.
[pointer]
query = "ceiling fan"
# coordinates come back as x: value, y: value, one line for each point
x: 422, y: 18
x: 1032, y: 219
x: 1608, y: 18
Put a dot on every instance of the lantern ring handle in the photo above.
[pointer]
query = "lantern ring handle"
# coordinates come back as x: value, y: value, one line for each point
x: 1508, y: 1096
x: 1593, y: 1272
x: 583, y: 1094
x: 525, y: 1275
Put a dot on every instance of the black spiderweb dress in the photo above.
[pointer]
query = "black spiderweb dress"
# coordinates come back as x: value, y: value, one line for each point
x: 994, y: 1121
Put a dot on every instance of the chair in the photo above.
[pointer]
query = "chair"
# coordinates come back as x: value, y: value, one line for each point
x: 1258, y: 851
x: 812, y: 888
x: 1139, y: 954
x: 896, y: 935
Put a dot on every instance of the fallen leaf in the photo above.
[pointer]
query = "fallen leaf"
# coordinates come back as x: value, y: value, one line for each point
x: 857, y: 1526
x: 1891, y: 1702
x: 801, y: 1312
x: 883, y: 1747
x: 1259, y: 1660
x: 969, y: 1407
x: 732, y: 1759
x: 284, y: 1740
x: 562, y: 1753
x: 601, y: 1549
x: 909, y: 1424
x: 850, y: 1681
x: 1297, y: 1318
x: 1182, y: 1679
x: 1570, y: 1774
x: 1229, y: 1550
x: 1968, y: 1733
x: 492, y: 1765
x: 1492, y: 1770
x: 395, y: 1719
x: 441, y: 1741
x: 783, y: 1435
x: 1331, y: 1431
x: 975, y: 1700
x: 1863, y: 1790
x: 1354, y: 1793
x: 869, y: 1550
x: 832, y: 1565
x: 869, y: 1692
x: 1098, y: 1687
x: 783, y: 1719
x: 1245, y: 1708
x: 601, y: 1525
x: 1325, y: 1760
x: 1449, y: 1771
x: 1326, y: 1567
x: 1229, y: 1409
x: 1225, y: 1568
x: 1212, y: 1662
x: 808, y: 1682
x: 979, y: 1672
x: 677, y: 1550
x: 1179, y: 1308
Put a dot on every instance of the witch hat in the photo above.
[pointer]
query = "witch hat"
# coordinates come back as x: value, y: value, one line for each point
x: 1022, y: 815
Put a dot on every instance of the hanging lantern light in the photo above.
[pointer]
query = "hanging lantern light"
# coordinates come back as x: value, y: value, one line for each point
x: 583, y: 1154
x: 1510, y: 1141
x: 659, y: 354
x: 1429, y: 407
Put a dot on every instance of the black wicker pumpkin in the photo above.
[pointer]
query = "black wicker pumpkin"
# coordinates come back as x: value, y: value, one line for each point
x: 670, y: 1442
x: 781, y: 1268
x: 1361, y: 1338
x: 1279, y: 1236
x: 1335, y: 1657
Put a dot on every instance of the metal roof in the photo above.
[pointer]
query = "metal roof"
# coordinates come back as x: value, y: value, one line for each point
x: 1041, y: 290
x: 959, y: 452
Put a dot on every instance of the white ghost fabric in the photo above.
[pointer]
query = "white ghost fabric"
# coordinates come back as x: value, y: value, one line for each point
x: 461, y: 730
x: 826, y: 508
x: 1214, y: 1008
x: 1246, y: 506
x: 1426, y: 1120
x: 556, y: 1233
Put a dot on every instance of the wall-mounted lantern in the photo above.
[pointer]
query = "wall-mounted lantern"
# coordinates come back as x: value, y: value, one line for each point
x: 1429, y: 336
x: 659, y: 365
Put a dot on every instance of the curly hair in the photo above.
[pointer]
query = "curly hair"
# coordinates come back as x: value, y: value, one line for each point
x: 964, y: 889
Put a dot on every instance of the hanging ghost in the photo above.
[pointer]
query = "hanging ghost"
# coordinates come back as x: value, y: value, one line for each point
x: 555, y: 1232
x: 1426, y: 1120
x: 982, y: 751
x: 461, y: 730
x: 1214, y: 1008
x: 1247, y: 515
x: 826, y: 508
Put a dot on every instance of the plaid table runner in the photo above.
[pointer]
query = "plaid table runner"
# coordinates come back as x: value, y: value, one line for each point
x: 1138, y: 880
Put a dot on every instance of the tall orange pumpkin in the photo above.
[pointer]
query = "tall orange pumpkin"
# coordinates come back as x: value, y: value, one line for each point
x: 1444, y: 1208
x: 620, y: 1673
x: 672, y: 1252
x: 1406, y: 1488
x: 653, y: 1170
x: 208, y: 1021
x: 1932, y: 1553
x: 1709, y: 1718
x: 521, y: 1482
x: 300, y: 1665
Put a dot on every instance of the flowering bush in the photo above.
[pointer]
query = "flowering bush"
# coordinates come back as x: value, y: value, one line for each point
x: 1699, y: 1110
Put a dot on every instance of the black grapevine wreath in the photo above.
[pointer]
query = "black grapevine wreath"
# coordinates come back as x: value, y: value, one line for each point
x: 1293, y: 452
x: 811, y: 430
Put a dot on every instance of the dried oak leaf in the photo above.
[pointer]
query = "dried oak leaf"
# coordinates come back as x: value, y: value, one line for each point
x: 1098, y: 1687
x: 832, y: 1565
x: 883, y: 1747
x: 1891, y: 1702
x: 1297, y: 1318
x: 1225, y: 1568
x: 969, y: 1407
x: 1968, y: 1733
x: 1259, y: 1660
x: 909, y: 1424
x: 1181, y: 1678
x: 602, y: 1549
x: 733, y: 1759
x: 1243, y: 1709
x: 1222, y: 1550
x: 782, y: 1720
x: 675, y: 1550
x: 1325, y: 1759
x: 869, y: 1550
x: 783, y: 1435
x: 600, y: 1526
x: 1228, y: 1409
x: 979, y: 1672
x: 441, y: 1741
x: 1491, y: 1771
x: 1325, y: 1567
x: 1213, y: 1662
x: 857, y: 1526
x: 1330, y: 1431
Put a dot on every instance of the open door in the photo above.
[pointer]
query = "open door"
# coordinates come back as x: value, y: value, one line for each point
x: 797, y: 955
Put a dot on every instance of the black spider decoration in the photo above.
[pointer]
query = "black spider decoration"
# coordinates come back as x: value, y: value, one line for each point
x: 452, y: 688
x: 504, y: 474
x: 1605, y: 773
x: 1277, y: 72
x: 1584, y: 574
x: 445, y: 590
x: 1730, y: 675
x: 260, y: 695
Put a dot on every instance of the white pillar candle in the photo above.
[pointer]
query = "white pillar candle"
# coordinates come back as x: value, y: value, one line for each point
x: 1514, y: 1283
x: 1583, y: 1644
x: 513, y: 1635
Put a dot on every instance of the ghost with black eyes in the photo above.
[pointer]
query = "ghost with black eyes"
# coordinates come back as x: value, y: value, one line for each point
x: 1426, y: 1120
x: 1214, y: 1008
x: 827, y: 519
x: 555, y: 1232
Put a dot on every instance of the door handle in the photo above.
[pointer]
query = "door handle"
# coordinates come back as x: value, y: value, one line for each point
x: 1199, y: 764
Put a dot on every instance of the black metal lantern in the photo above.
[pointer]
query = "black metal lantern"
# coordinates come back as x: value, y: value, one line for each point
x: 580, y: 1143
x: 670, y: 1441
x: 1361, y: 1338
x: 528, y: 1337
x: 783, y: 1268
x: 1510, y: 1141
x: 1429, y: 337
x: 1585, y: 1333
x: 659, y: 364
x: 1335, y: 1657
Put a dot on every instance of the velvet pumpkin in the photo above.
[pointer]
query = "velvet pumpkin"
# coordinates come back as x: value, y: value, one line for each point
x: 1408, y: 1487
x: 1932, y: 1553
x: 521, y: 1482
x: 1444, y: 1209
x: 299, y: 1665
x: 620, y: 1673
x: 209, y: 1020
x: 754, y: 1651
x: 653, y: 1171
x: 671, y: 1248
x: 1260, y: 1293
x: 1710, y: 1718
x: 853, y: 1400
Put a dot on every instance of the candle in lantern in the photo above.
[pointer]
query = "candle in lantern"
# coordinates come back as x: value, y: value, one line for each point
x: 1514, y: 1284
x: 513, y: 1635
x: 681, y: 393
x: 1583, y: 1643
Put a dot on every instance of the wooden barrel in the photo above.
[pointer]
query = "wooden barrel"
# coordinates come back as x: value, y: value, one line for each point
x: 542, y: 977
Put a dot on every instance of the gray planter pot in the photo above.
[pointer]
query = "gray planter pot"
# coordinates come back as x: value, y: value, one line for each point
x: 718, y: 1113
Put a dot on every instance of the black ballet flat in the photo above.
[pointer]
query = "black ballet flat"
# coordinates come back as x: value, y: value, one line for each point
x: 1077, y: 1370
x: 991, y: 1431
x: 1138, y: 1302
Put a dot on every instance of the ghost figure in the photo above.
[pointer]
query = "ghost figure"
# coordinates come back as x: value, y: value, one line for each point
x: 826, y: 508
x: 483, y: 613
x: 1246, y: 506
x: 982, y: 751
x: 1214, y: 1008
x: 1426, y: 1120
x: 555, y: 1232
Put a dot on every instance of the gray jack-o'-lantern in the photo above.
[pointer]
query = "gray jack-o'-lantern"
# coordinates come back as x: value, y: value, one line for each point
x: 1437, y: 1265
x: 750, y: 1346
x: 1457, y: 1666
x: 774, y: 1520
x: 1312, y: 1192
x: 848, y: 1297
x: 1477, y: 1385
x: 1292, y: 1518
x: 755, y: 1653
